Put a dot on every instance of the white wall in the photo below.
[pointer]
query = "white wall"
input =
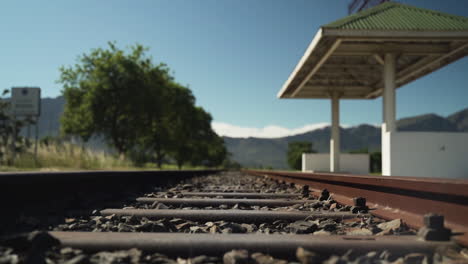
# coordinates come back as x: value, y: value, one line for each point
x: 350, y: 163
x: 316, y: 162
x: 386, y: 153
x: 425, y: 154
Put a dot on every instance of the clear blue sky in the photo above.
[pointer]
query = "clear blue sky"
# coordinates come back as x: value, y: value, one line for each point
x: 234, y: 54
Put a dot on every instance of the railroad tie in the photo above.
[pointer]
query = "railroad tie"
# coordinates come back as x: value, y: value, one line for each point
x: 242, y: 216
x: 180, y: 244
x: 241, y: 195
x: 218, y: 202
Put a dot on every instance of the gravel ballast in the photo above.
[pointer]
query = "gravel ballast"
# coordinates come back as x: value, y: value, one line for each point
x: 27, y: 250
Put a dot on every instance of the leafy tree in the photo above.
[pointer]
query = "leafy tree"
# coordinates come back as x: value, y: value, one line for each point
x: 155, y: 133
x: 181, y: 124
x: 359, y: 151
x: 295, y: 150
x: 231, y: 165
x: 103, y: 94
x: 207, y: 148
x: 191, y: 137
x: 217, y: 152
x: 376, y: 161
x: 228, y: 163
x: 138, y: 108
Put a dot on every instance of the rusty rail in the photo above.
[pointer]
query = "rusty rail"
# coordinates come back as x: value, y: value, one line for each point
x: 48, y: 195
x: 408, y: 198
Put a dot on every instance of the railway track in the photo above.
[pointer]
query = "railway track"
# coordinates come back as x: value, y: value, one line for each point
x: 263, y: 217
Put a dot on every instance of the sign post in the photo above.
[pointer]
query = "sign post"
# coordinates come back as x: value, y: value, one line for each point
x: 26, y: 102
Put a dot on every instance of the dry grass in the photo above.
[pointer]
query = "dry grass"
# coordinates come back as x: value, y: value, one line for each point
x: 60, y: 156
x: 71, y: 157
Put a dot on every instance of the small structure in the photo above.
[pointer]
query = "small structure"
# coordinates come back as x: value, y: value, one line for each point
x: 355, y: 163
x: 26, y: 104
x: 370, y: 54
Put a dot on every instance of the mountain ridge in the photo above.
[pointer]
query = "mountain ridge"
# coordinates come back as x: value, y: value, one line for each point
x: 272, y: 151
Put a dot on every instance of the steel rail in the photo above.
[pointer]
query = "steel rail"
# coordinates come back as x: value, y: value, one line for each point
x: 181, y: 244
x: 39, y: 194
x: 234, y: 215
x: 408, y: 198
x: 33, y: 186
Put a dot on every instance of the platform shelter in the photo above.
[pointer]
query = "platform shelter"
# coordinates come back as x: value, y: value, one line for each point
x: 372, y: 53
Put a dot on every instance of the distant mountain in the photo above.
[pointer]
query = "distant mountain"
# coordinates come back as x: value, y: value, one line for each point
x: 256, y: 152
x: 460, y: 119
x: 271, y: 152
x: 428, y: 122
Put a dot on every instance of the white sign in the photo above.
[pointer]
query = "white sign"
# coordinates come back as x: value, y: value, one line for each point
x: 26, y: 101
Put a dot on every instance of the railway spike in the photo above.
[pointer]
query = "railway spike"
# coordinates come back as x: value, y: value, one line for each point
x: 305, y: 191
x: 434, y: 229
x: 324, y: 195
x: 359, y: 205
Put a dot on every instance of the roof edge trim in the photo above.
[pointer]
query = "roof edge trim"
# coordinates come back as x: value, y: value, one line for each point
x: 331, y: 32
x: 307, y: 53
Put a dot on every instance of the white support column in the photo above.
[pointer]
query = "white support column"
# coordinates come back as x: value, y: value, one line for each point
x: 389, y: 113
x: 389, y: 93
x: 335, y: 134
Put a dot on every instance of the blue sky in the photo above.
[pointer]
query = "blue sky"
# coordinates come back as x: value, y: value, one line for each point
x: 234, y: 54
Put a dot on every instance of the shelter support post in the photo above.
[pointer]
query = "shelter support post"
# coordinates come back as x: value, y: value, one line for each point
x: 389, y: 112
x: 335, y: 133
x: 389, y: 93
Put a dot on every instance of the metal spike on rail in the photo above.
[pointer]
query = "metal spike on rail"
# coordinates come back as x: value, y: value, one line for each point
x: 434, y: 229
x: 359, y: 205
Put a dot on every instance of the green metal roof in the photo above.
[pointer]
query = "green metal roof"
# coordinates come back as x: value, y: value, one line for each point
x: 396, y: 16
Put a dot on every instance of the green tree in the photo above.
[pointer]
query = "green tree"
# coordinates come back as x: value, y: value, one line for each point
x: 138, y: 108
x: 295, y: 150
x: 10, y: 140
x: 217, y: 152
x: 231, y: 165
x: 376, y: 161
x: 207, y: 147
x: 360, y: 151
x: 191, y: 140
x: 103, y: 94
x: 181, y: 124
x: 154, y: 135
